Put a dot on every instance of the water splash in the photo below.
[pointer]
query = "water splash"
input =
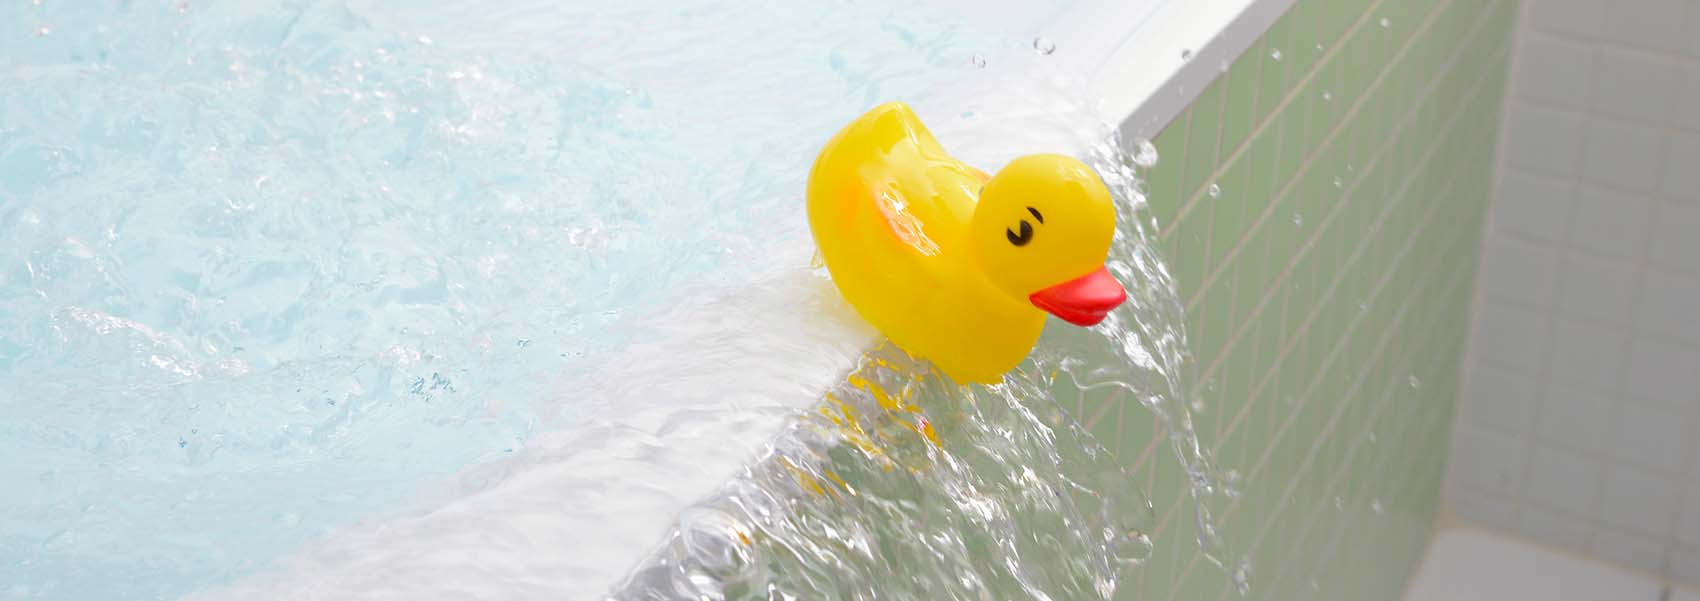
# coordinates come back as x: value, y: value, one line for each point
x: 902, y: 484
x: 905, y: 485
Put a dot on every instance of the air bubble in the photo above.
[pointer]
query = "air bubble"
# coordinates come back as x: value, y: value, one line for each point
x: 1044, y: 46
x: 1375, y: 506
x: 1386, y: 22
x: 1186, y: 54
x: 1415, y: 383
x: 1339, y: 183
x: 1275, y: 54
x: 1328, y: 96
x: 1298, y: 219
x: 979, y: 61
x: 43, y: 31
x: 1215, y: 191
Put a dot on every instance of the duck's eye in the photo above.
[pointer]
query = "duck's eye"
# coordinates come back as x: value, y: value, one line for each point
x: 1023, y: 237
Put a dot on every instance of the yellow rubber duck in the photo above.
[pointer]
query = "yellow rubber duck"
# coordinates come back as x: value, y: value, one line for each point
x: 953, y: 265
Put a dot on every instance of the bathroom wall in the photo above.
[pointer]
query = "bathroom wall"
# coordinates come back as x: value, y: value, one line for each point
x: 1321, y: 205
x: 1579, y: 419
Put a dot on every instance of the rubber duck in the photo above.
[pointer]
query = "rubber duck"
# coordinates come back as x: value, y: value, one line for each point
x: 949, y: 263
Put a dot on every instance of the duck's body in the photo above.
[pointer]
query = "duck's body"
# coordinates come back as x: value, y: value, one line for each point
x: 894, y: 217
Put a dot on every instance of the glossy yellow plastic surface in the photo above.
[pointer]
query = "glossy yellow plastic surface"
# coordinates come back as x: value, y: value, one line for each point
x: 950, y: 263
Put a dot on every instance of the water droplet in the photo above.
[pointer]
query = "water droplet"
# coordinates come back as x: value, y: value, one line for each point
x: 1339, y: 183
x: 1275, y: 54
x: 1242, y: 576
x: 979, y: 61
x: 1415, y: 383
x: 1298, y: 219
x: 1375, y: 506
x: 426, y: 40
x: 1044, y: 46
x: 43, y: 31
x: 1132, y: 547
x: 1339, y: 503
x: 1145, y: 154
x: 1328, y: 96
x: 1372, y: 438
x: 1186, y: 54
x: 1319, y: 47
x: 1363, y: 307
x: 1215, y: 191
x: 1314, y: 585
x: 1197, y: 405
x: 1386, y: 22
x: 1222, y: 67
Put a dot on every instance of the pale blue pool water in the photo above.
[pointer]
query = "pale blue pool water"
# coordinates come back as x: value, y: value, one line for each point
x: 269, y: 267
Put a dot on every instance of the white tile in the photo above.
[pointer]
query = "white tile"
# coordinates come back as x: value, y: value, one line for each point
x: 1498, y: 399
x: 1567, y: 532
x: 1622, y: 154
x: 1533, y: 206
x: 1587, y: 354
x: 1518, y: 271
x: 1576, y: 418
x: 1555, y: 71
x: 1510, y: 335
x: 1596, y: 288
x: 1566, y: 16
x: 1466, y: 565
x: 1650, y: 436
x: 1545, y: 140
x: 1663, y: 371
x: 1636, y: 85
x: 1656, y: 24
x: 1688, y: 526
x: 1481, y: 509
x: 1488, y: 462
x: 1682, y: 171
x: 1688, y: 95
x: 1611, y: 222
x: 1630, y: 550
x: 1638, y: 499
x: 1563, y: 480
x: 1685, y: 572
x: 1676, y: 237
x: 1669, y: 304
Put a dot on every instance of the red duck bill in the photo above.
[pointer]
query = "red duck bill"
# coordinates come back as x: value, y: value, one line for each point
x: 1083, y: 301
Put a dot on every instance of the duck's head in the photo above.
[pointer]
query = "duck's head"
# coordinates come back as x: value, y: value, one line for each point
x: 1041, y: 232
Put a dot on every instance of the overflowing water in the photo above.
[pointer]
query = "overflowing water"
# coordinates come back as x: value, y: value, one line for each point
x: 382, y: 299
x: 905, y: 485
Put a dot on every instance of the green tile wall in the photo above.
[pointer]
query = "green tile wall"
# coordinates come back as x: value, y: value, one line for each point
x: 1326, y: 289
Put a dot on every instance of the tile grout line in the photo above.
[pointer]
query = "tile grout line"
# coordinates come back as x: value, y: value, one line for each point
x: 1222, y: 167
x: 1334, y: 420
x: 1327, y: 141
x: 1316, y: 311
x: 1386, y: 278
x: 1410, y: 244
